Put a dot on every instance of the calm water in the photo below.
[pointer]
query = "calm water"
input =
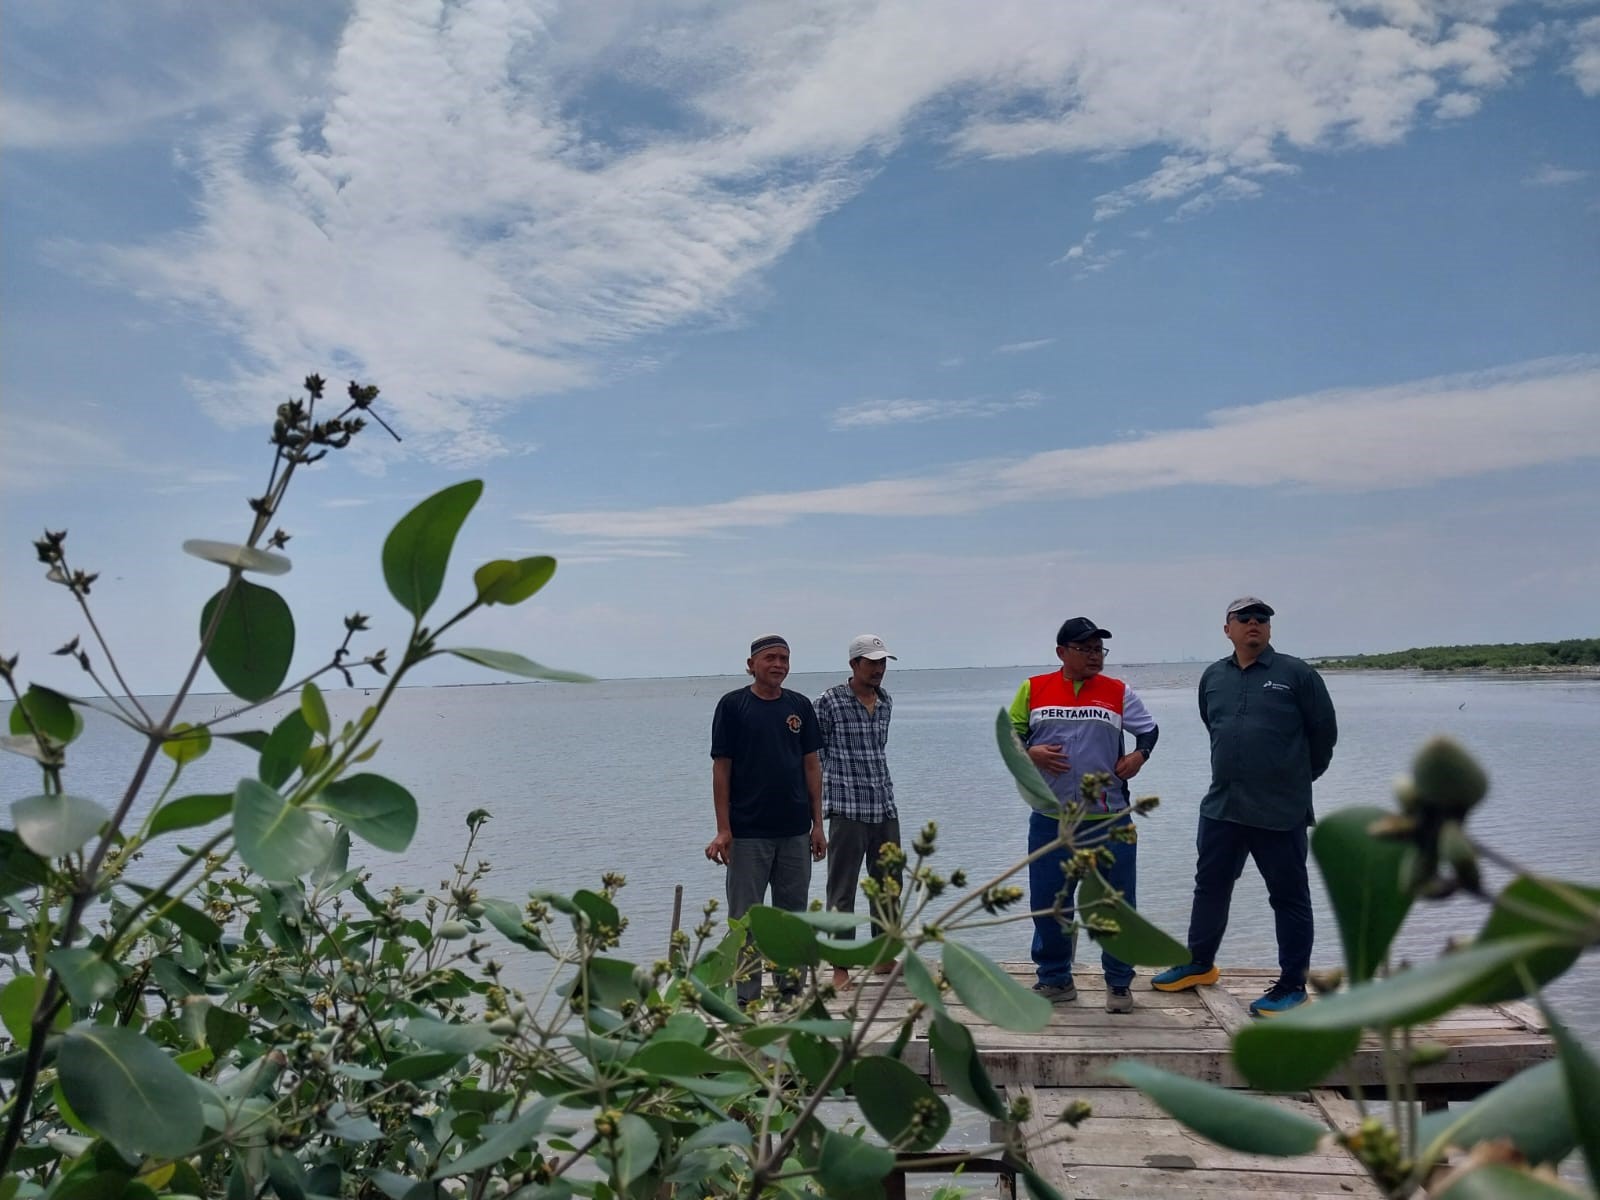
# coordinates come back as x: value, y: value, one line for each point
x: 615, y: 776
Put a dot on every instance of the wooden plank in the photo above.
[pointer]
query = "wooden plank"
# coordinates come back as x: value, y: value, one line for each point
x: 1340, y: 1112
x: 1524, y: 1014
x: 1125, y: 1152
x: 1225, y: 1007
x: 1116, y: 1183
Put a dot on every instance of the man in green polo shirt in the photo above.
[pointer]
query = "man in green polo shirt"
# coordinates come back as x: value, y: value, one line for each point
x: 1272, y: 732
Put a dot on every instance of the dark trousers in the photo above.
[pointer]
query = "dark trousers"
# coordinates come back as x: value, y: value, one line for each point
x: 754, y: 864
x: 1052, y: 944
x: 1280, y: 856
x: 850, y: 843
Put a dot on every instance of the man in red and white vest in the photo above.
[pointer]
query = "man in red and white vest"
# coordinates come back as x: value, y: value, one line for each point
x: 1072, y: 722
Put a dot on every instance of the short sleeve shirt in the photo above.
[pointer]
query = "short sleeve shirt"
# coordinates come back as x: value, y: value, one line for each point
x: 767, y: 741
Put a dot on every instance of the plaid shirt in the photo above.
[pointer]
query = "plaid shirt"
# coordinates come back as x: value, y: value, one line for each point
x: 855, y: 769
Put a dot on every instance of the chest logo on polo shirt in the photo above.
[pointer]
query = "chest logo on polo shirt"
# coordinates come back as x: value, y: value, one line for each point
x: 793, y: 723
x: 1272, y: 685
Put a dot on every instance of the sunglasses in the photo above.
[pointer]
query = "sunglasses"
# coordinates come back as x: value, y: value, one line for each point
x: 1252, y: 619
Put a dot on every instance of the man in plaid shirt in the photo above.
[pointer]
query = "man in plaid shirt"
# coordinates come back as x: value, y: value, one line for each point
x: 857, y: 793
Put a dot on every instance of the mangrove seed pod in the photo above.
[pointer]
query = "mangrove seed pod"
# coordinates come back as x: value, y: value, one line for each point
x: 1448, y: 780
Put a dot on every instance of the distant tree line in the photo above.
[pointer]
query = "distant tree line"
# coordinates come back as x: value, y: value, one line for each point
x: 1573, y: 652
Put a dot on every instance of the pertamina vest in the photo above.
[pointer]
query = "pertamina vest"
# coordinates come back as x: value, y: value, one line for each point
x: 1087, y: 726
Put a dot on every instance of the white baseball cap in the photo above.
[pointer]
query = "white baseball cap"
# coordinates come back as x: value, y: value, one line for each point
x: 866, y: 645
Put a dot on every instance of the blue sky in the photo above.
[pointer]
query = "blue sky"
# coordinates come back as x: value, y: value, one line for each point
x: 938, y: 320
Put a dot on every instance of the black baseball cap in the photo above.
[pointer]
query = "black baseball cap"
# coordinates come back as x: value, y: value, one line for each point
x: 1079, y: 629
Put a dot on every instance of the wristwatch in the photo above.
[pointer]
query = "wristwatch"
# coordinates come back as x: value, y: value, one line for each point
x: 1144, y: 752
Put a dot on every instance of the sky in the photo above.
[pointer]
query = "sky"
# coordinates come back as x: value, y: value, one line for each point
x: 941, y: 321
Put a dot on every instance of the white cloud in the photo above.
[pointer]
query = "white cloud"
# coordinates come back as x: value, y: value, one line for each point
x: 1585, y: 64
x: 459, y: 211
x: 1024, y: 347
x: 1409, y: 435
x: 1550, y: 175
x: 876, y: 413
x: 40, y: 453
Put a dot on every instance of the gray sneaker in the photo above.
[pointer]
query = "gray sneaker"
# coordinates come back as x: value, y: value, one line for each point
x: 1118, y: 1000
x: 1064, y: 993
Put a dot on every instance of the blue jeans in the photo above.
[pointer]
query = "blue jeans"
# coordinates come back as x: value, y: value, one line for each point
x: 1052, y: 946
x: 1280, y: 856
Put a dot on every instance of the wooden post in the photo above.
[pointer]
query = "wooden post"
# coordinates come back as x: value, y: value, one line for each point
x: 677, y: 916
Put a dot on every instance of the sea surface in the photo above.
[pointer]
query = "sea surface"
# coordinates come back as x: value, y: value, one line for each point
x: 616, y: 776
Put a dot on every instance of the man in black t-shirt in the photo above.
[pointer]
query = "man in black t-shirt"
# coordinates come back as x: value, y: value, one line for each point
x: 766, y: 785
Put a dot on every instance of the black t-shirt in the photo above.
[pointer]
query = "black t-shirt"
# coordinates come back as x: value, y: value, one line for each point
x: 767, y: 741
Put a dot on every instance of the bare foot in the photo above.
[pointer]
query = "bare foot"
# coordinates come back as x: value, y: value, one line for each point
x: 841, y: 980
x: 883, y: 968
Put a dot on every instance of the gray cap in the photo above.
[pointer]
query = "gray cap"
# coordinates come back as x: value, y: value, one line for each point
x: 1245, y: 602
x: 867, y: 645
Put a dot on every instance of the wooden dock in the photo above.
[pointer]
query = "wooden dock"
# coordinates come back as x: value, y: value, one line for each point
x: 1130, y: 1149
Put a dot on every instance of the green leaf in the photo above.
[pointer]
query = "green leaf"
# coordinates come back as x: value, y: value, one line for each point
x: 1362, y: 875
x: 51, y: 712
x: 1582, y: 1075
x: 921, y: 984
x: 191, y: 920
x: 1531, y: 906
x: 428, y: 1065
x: 960, y: 1069
x: 459, y: 1037
x: 186, y: 743
x: 678, y: 1058
x: 53, y: 826
x: 848, y: 1162
x: 507, y: 918
x: 516, y: 664
x: 187, y: 812
x: 18, y: 1000
x: 889, y: 1093
x: 869, y: 953
x: 596, y: 910
x: 417, y: 550
x: 20, y: 868
x: 502, y: 1142
x: 1529, y: 1110
x: 783, y: 937
x: 286, y: 747
x: 634, y: 1148
x: 1296, y: 1050
x: 1497, y: 1182
x: 276, y: 840
x: 124, y: 1087
x: 829, y: 922
x: 609, y: 981
x: 505, y: 582
x: 991, y: 993
x: 1136, y: 941
x: 378, y: 811
x: 86, y: 976
x: 1229, y: 1118
x: 254, y: 739
x: 315, y: 709
x: 723, y: 1133
x: 1038, y: 1186
x: 767, y: 1032
x: 254, y: 642
x: 1029, y: 782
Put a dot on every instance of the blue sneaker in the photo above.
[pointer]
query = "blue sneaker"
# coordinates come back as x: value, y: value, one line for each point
x: 1279, y: 998
x: 1190, y: 975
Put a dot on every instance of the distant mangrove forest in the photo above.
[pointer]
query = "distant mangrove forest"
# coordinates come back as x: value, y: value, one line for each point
x: 1573, y: 653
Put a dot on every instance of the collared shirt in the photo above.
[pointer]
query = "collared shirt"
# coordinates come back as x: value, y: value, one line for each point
x: 1272, y: 730
x: 855, y: 766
